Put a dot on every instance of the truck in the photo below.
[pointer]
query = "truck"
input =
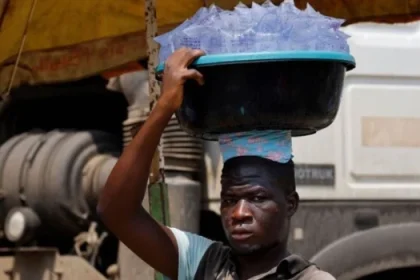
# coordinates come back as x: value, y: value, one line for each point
x: 358, y: 180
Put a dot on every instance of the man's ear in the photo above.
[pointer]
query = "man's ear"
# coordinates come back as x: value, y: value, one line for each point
x: 292, y: 204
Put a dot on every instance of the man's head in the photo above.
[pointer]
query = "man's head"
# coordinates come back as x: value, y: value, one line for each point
x: 258, y: 200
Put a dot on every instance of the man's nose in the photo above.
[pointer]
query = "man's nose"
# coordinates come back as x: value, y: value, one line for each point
x: 241, y: 213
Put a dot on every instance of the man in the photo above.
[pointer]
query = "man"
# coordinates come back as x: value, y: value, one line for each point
x: 258, y: 200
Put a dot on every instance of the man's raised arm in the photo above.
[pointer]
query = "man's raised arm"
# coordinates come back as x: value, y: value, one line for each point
x: 120, y: 202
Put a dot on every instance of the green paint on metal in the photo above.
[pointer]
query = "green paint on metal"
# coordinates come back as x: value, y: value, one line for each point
x: 159, y: 208
x: 158, y: 202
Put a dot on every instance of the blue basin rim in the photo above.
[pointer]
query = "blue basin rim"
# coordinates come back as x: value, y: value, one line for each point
x: 223, y: 59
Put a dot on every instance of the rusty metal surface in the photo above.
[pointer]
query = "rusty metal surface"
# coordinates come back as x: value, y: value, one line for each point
x: 154, y: 87
x: 45, y: 264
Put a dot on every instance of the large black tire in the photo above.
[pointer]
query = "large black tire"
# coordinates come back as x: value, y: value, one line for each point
x: 371, y: 251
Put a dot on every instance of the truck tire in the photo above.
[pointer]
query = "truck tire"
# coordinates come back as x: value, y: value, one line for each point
x: 371, y: 251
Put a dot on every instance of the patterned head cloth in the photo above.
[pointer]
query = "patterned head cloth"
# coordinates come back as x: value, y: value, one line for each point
x: 275, y: 145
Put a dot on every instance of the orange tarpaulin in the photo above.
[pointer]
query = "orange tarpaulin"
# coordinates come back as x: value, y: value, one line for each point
x: 68, y: 40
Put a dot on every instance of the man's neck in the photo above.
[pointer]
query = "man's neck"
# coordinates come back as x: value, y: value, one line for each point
x: 261, y: 261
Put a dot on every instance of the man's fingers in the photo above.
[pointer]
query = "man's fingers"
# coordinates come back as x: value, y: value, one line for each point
x: 194, y: 75
x: 183, y: 57
x: 178, y: 63
x: 192, y: 55
x: 197, y: 53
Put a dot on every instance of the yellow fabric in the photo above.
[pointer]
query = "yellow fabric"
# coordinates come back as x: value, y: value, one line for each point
x: 71, y: 39
x: 67, y: 22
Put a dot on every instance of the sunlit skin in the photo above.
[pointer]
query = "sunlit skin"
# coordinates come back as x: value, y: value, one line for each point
x: 251, y: 213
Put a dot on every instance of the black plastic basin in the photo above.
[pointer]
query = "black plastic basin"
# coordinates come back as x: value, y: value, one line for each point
x: 298, y: 91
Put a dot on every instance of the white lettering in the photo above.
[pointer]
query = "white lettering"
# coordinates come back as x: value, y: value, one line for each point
x: 314, y: 173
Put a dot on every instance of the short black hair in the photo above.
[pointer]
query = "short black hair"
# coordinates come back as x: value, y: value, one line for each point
x: 281, y: 174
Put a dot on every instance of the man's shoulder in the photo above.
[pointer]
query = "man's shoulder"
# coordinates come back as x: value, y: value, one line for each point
x: 191, y: 249
x: 314, y: 273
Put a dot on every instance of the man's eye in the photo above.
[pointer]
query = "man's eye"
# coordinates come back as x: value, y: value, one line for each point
x: 258, y: 198
x: 228, y: 201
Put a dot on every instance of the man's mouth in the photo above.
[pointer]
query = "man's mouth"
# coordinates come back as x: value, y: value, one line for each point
x: 241, y: 235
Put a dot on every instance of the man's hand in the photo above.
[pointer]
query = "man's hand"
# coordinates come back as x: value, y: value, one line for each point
x: 175, y: 75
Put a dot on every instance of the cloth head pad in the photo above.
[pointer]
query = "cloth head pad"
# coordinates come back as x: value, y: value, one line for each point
x: 275, y: 145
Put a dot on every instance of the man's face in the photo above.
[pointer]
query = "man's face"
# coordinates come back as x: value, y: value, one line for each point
x: 255, y: 211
